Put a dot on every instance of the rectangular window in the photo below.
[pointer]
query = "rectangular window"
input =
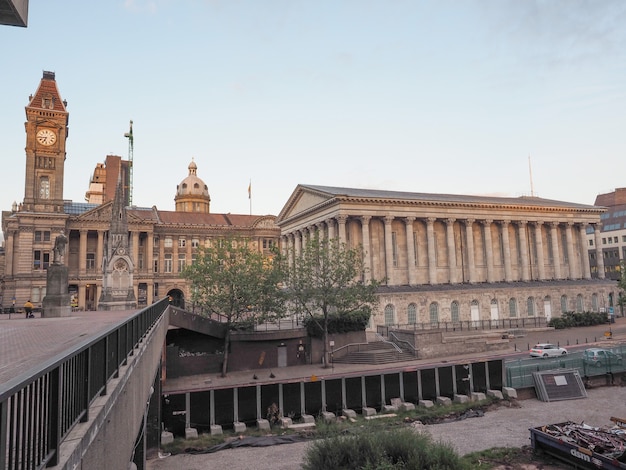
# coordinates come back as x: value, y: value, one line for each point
x: 41, y: 259
x: 182, y: 242
x: 155, y: 241
x: 168, y: 263
x: 590, y: 242
x: 140, y: 261
x: 168, y: 242
x: 182, y: 262
x: 91, y: 261
x: 195, y: 243
x: 156, y: 290
x: 604, y: 241
x: 155, y: 265
x: 42, y: 236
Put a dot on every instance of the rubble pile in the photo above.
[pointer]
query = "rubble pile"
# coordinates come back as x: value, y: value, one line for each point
x: 609, y: 442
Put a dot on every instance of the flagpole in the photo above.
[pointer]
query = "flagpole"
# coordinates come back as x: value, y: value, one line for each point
x: 250, y: 195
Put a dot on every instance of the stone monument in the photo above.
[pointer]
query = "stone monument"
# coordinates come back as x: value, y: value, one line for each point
x: 56, y: 303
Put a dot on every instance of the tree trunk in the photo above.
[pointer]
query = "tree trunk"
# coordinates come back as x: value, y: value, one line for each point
x: 325, y: 338
x: 226, y: 348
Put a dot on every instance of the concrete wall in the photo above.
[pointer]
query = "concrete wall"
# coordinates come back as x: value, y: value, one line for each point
x: 107, y: 440
x: 431, y: 344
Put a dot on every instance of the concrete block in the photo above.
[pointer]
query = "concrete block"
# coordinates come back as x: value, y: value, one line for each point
x: 302, y: 426
x: 167, y: 437
x: 458, y: 398
x: 386, y: 415
x: 396, y: 402
x: 367, y: 411
x: 328, y: 417
x: 348, y: 413
x: 191, y: 433
x: 495, y: 394
x: 406, y: 406
x: 478, y: 396
x: 509, y: 392
x: 425, y: 403
x: 444, y: 401
x: 216, y: 430
x: 388, y: 409
x: 308, y: 419
x: 263, y: 425
x: 285, y: 422
x: 239, y: 427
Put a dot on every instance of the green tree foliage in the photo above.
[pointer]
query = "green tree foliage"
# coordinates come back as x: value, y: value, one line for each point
x: 237, y: 285
x: 328, y: 278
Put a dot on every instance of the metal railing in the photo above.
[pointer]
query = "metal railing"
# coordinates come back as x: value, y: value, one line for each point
x: 469, y: 325
x: 403, y: 343
x: 41, y: 406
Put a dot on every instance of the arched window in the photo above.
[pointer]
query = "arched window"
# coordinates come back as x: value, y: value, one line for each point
x: 579, y: 303
x: 389, y: 315
x: 530, y: 306
x: 434, y: 313
x: 512, y: 307
x: 44, y: 188
x: 454, y: 312
x: 563, y: 303
x: 594, y: 302
x: 412, y: 314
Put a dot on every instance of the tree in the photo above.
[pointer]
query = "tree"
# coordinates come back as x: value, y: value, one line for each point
x: 329, y: 278
x: 237, y: 284
x: 622, y: 286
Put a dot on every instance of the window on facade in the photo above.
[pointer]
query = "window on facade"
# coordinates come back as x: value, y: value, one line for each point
x: 604, y: 241
x: 140, y: 261
x: 563, y: 303
x: 155, y: 265
x: 512, y: 307
x: 91, y: 261
x: 168, y: 243
x: 195, y: 243
x: 155, y: 241
x: 193, y: 258
x: 168, y: 263
x: 389, y: 315
x: 156, y: 290
x: 394, y: 249
x: 590, y: 242
x: 42, y: 236
x: 579, y: 303
x: 182, y: 261
x: 412, y: 314
x: 415, y: 252
x: 454, y: 312
x: 44, y: 188
x: 41, y: 259
x: 207, y: 243
x: 594, y: 302
x: 610, y: 240
x: 433, y: 311
x: 530, y: 306
x: 182, y: 242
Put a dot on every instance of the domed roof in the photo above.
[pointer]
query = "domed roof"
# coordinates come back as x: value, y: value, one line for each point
x: 192, y: 185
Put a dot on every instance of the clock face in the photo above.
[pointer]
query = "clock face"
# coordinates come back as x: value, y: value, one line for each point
x: 46, y: 137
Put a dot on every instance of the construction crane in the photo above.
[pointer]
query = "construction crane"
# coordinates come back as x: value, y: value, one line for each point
x: 129, y: 136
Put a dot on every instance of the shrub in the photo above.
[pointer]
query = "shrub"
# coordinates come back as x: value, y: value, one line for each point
x: 399, y: 448
x: 337, y: 323
x: 575, y: 319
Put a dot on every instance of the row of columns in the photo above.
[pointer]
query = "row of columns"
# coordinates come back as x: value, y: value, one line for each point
x: 296, y: 239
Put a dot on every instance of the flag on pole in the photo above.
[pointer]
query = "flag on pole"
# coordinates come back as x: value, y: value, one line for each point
x: 250, y: 190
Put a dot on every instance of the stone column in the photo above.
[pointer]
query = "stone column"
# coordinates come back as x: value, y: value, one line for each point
x: 161, y: 256
x: 488, y: 249
x: 584, y: 254
x: 432, y: 255
x: 599, y: 254
x: 571, y: 260
x: 388, y: 251
x: 9, y: 254
x: 523, y: 241
x: 506, y: 250
x: 149, y: 259
x: 469, y: 235
x: 556, y: 252
x: 134, y: 235
x: 175, y: 254
x: 297, y: 237
x: 150, y: 292
x: 99, y: 252
x: 365, y: 235
x: 188, y: 255
x: 341, y: 222
x: 410, y: 250
x: 82, y: 251
x: 330, y: 223
x: 452, y: 269
x: 541, y: 268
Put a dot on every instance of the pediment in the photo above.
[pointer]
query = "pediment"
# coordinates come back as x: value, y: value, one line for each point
x: 302, y: 200
x: 102, y: 213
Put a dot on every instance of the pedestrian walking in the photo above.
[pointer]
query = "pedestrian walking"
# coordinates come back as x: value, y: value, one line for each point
x: 28, y: 308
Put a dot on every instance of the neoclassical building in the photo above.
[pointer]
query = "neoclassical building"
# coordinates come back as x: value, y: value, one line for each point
x: 456, y: 258
x: 159, y: 243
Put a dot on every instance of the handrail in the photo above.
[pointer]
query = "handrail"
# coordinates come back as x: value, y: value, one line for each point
x: 396, y: 339
x: 40, y: 407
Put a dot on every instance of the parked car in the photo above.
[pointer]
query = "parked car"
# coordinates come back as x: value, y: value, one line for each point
x: 599, y: 357
x: 547, y: 350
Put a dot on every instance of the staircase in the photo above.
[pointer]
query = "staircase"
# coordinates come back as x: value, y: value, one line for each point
x: 378, y: 352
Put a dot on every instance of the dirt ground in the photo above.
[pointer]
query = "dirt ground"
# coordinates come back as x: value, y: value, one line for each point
x: 503, y: 426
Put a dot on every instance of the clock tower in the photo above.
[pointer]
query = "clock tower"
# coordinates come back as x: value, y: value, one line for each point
x: 46, y: 131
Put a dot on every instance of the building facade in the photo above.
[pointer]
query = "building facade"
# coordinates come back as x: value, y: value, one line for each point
x: 159, y: 243
x: 451, y: 258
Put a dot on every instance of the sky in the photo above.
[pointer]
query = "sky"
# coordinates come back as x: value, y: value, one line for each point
x: 476, y: 97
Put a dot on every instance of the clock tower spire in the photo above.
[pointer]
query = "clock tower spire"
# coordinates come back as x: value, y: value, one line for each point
x: 46, y: 131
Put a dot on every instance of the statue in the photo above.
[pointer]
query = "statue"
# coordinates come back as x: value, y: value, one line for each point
x: 59, y: 248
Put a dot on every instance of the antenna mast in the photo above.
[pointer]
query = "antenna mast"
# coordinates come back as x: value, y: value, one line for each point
x: 530, y: 172
x: 129, y: 136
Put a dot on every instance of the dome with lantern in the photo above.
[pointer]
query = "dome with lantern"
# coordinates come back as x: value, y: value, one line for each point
x: 192, y: 194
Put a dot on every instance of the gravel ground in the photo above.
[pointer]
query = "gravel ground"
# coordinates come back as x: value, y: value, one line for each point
x: 505, y: 427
